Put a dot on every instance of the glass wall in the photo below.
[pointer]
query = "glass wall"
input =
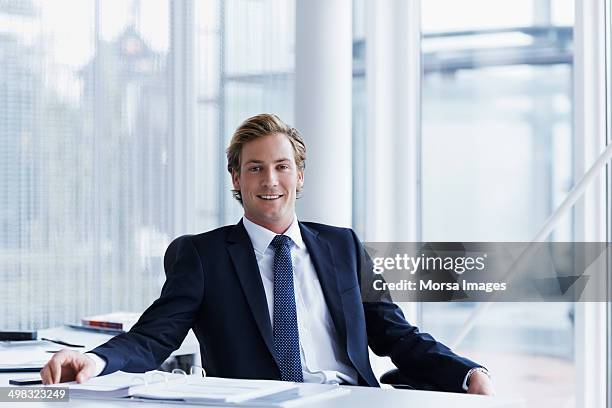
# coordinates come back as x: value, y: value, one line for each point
x: 86, y: 156
x: 496, y: 161
x: 244, y: 66
x: 83, y: 158
x: 88, y: 164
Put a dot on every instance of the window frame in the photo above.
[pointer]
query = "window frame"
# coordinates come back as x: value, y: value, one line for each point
x: 182, y: 116
x: 590, y: 212
x: 608, y: 102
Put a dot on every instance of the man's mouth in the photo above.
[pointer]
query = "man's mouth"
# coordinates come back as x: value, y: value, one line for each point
x: 269, y: 197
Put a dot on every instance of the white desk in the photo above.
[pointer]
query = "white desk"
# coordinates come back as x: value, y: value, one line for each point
x: 93, y: 339
x: 359, y: 397
x: 37, y: 350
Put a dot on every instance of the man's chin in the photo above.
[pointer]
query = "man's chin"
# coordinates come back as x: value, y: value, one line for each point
x: 271, y: 217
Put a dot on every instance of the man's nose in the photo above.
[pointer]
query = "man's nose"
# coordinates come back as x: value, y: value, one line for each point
x: 270, y: 178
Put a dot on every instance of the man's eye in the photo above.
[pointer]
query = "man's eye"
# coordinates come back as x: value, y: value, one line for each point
x: 283, y: 167
x: 254, y: 169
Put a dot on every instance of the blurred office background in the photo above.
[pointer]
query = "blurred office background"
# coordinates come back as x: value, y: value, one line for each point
x: 114, y: 118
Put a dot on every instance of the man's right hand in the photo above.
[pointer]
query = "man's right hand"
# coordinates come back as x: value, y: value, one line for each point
x: 67, y: 365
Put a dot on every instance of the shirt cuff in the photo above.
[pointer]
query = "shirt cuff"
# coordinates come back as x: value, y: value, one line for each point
x: 100, y: 363
x: 466, y: 380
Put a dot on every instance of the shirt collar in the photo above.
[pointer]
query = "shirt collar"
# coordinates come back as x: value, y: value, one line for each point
x: 262, y: 237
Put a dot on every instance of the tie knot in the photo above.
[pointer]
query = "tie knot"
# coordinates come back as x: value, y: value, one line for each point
x: 280, y: 241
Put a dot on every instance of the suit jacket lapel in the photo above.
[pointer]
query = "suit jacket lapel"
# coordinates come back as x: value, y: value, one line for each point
x: 322, y: 259
x: 243, y: 257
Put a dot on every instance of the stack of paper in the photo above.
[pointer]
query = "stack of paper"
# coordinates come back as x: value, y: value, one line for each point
x: 118, y: 385
x: 190, y: 389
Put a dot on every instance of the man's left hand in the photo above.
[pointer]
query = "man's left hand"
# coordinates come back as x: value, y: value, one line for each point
x: 480, y: 383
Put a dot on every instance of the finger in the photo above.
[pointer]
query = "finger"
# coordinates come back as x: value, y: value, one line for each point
x: 481, y: 390
x: 83, y: 367
x: 84, y: 374
x: 55, y: 365
x: 44, y: 374
x: 49, y: 373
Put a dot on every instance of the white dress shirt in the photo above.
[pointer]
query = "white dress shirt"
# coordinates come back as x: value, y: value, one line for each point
x: 324, y: 360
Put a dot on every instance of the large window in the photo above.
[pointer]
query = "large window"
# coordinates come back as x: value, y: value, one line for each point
x: 84, y: 186
x: 497, y: 139
x: 244, y: 66
x: 115, y: 121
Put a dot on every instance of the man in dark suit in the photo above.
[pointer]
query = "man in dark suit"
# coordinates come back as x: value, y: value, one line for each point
x: 272, y: 297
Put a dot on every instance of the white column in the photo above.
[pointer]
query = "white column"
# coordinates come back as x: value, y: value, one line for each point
x: 182, y: 122
x: 393, y: 102
x: 589, y: 213
x: 323, y: 82
x: 393, y: 76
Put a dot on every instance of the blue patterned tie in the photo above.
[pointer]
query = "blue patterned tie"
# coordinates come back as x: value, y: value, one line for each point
x: 286, y: 335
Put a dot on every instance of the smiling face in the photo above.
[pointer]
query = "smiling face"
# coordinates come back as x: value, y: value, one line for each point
x: 268, y: 181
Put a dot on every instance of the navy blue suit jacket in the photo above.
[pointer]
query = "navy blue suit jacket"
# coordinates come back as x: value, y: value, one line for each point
x: 214, y: 286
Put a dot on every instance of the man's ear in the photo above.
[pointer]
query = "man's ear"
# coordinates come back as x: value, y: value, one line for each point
x: 300, y: 180
x: 236, y: 179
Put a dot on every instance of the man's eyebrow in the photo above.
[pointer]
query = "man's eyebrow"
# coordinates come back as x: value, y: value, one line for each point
x: 261, y: 161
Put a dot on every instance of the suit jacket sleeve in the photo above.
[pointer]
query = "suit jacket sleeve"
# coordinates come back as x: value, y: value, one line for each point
x: 163, y: 326
x: 417, y: 355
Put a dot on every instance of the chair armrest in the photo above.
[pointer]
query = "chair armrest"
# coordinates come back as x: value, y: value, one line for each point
x: 398, y: 380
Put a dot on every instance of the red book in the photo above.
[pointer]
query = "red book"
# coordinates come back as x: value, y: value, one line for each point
x: 118, y: 320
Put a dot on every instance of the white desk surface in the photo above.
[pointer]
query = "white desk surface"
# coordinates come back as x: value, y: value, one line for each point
x: 359, y: 397
x: 24, y: 352
x: 92, y: 339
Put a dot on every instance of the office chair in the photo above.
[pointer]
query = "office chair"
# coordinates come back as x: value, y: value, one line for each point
x: 401, y: 381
